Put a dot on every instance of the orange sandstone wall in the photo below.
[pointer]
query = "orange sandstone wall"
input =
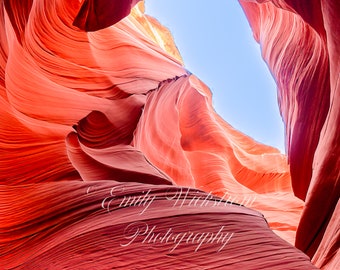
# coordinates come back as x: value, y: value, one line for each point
x: 300, y: 42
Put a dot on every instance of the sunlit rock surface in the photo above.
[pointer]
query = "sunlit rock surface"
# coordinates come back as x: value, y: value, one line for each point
x: 107, y: 143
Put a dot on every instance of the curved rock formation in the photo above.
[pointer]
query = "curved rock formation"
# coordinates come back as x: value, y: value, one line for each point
x: 94, y: 225
x: 108, y: 145
x: 300, y: 42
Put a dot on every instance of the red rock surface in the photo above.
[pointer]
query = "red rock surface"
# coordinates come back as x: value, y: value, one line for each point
x: 300, y: 42
x: 92, y: 117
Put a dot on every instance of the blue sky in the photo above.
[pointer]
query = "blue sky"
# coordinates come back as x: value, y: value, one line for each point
x: 216, y: 43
